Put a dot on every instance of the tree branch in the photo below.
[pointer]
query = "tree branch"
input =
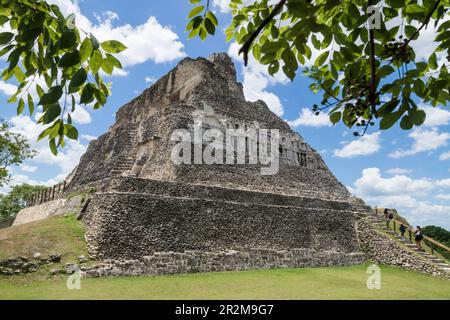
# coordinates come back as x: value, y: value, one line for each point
x: 373, y: 72
x: 246, y: 46
x: 427, y: 20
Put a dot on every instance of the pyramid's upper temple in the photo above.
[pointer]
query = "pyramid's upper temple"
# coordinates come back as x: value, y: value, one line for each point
x: 140, y: 143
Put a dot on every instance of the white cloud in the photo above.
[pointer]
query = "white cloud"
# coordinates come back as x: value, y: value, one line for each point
x: 424, y: 140
x: 7, y: 89
x: 88, y: 137
x: 67, y: 158
x: 223, y: 5
x: 444, y: 183
x: 27, y: 168
x: 19, y: 179
x: 445, y: 197
x: 365, y: 145
x: 411, y: 197
x: 257, y: 79
x: 373, y: 183
x: 150, y: 80
x: 396, y: 171
x: 308, y: 118
x: 436, y: 116
x: 81, y: 115
x: 148, y: 41
x: 444, y: 156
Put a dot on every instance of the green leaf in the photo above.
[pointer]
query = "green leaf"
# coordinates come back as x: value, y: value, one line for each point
x: 113, y: 46
x: 209, y: 26
x: 78, y: 79
x: 6, y: 37
x: 274, y: 67
x: 20, y: 107
x: 52, y: 96
x: 3, y: 20
x: 414, y: 8
x: 388, y: 107
x: 321, y: 59
x: 53, y: 147
x: 390, y: 119
x: 195, y: 11
x: 96, y: 61
x: 71, y: 132
x: 335, y: 117
x: 87, y: 95
x: 85, y: 49
x: 271, y: 47
x: 94, y: 42
x: 113, y: 61
x: 70, y: 59
x: 406, y: 123
x: 418, y: 116
x: 68, y: 39
x: 432, y: 61
x: 410, y: 31
x: 385, y: 71
x: 107, y: 66
x: 211, y: 16
x: 419, y: 87
x: 52, y: 112
x: 30, y: 104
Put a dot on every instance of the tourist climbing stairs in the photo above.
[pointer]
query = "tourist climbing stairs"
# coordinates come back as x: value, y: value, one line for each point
x: 429, y: 245
x: 125, y: 162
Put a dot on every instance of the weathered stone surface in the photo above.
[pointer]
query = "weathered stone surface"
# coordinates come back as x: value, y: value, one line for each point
x: 197, y: 217
x: 382, y: 249
x: 230, y: 260
x: 132, y: 225
x: 23, y: 265
x: 139, y: 143
x: 57, y: 207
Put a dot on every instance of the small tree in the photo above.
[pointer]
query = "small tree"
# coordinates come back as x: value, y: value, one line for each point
x: 14, y: 149
x: 16, y: 200
x: 46, y: 51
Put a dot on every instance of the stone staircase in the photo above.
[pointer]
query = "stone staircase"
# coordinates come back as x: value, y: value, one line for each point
x: 125, y: 162
x: 380, y: 224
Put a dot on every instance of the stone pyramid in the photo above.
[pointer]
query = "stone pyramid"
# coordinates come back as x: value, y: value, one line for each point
x: 173, y: 217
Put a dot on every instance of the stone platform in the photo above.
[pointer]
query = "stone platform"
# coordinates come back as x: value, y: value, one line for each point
x: 133, y: 218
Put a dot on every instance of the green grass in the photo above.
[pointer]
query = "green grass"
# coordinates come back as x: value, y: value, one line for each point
x: 61, y: 234
x: 308, y: 283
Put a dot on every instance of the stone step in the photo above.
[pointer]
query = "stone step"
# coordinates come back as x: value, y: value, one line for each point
x: 443, y: 265
x: 437, y: 260
x: 186, y: 190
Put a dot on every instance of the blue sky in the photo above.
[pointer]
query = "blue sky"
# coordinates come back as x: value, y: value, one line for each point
x: 408, y: 170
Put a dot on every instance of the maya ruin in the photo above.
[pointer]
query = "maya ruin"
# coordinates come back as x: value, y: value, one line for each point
x: 149, y: 215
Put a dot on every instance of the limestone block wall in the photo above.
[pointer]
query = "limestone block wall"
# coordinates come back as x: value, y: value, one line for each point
x: 48, y: 209
x: 132, y: 225
x: 231, y: 260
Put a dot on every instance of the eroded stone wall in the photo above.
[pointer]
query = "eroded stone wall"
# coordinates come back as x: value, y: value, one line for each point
x: 139, y: 143
x: 133, y: 225
x: 231, y: 260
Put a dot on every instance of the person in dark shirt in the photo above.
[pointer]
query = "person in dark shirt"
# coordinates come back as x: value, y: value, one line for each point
x: 402, y: 230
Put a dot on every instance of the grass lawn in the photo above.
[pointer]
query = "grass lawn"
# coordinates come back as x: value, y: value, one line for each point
x: 62, y: 234
x: 308, y: 283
